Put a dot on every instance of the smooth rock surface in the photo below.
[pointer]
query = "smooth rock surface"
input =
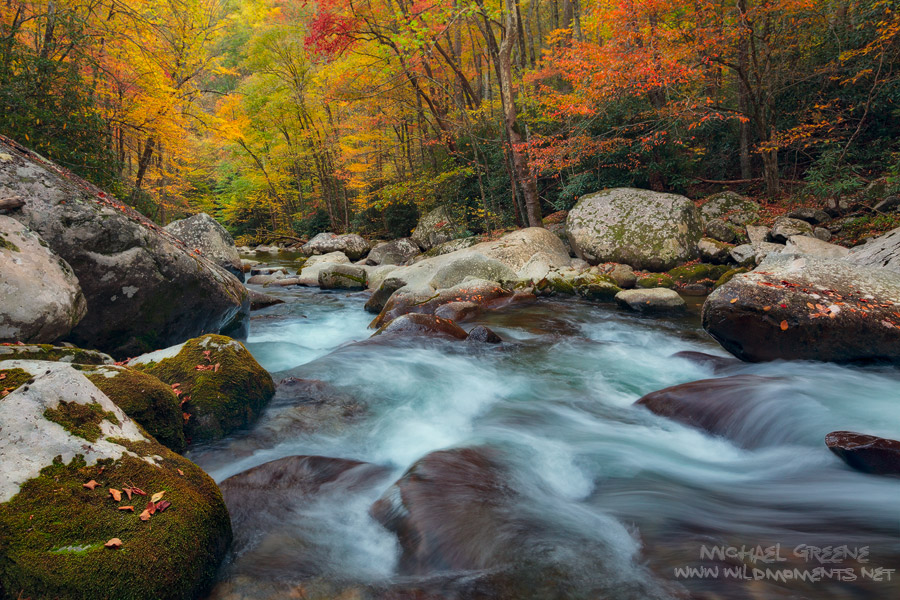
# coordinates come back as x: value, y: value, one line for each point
x: 866, y: 453
x: 656, y: 300
x: 883, y: 251
x: 801, y: 244
x: 351, y: 244
x: 202, y: 232
x: 395, y: 252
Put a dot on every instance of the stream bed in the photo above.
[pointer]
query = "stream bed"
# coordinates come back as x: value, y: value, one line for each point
x: 611, y: 501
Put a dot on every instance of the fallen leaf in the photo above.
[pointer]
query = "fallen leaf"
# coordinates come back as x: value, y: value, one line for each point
x: 162, y: 505
x: 116, y: 494
x: 733, y: 300
x: 128, y: 493
x: 138, y: 491
x: 767, y: 308
x: 180, y: 472
x: 157, y: 496
x: 2, y: 376
x: 90, y: 484
x: 810, y: 304
x: 784, y: 325
x: 114, y: 544
x: 145, y: 516
x: 151, y: 507
x: 131, y: 508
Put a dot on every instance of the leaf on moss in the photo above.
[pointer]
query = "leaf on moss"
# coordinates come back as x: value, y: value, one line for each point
x: 116, y: 494
x: 128, y: 492
x: 90, y: 484
x: 157, y: 496
x: 114, y: 544
x: 131, y: 508
x: 151, y: 508
x: 162, y: 505
x: 180, y: 472
x: 145, y: 516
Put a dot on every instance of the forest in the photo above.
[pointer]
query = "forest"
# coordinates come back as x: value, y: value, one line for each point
x: 291, y: 117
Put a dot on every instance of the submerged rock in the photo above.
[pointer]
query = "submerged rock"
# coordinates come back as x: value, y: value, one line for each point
x: 59, y: 432
x: 351, y: 244
x: 483, y: 334
x: 652, y: 301
x: 40, y: 297
x: 143, y: 289
x: 222, y: 385
x: 202, y: 232
x: 805, y: 308
x: 644, y: 229
x: 478, y: 291
x: 415, y: 324
x: 258, y: 300
x: 866, y: 453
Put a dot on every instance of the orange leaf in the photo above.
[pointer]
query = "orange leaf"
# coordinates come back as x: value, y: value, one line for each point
x: 131, y: 508
x: 90, y: 484
x: 145, y: 516
x: 180, y: 472
x: 733, y: 300
x: 114, y: 544
x: 116, y: 494
x: 128, y: 493
x: 151, y: 507
x: 784, y: 325
x: 767, y: 308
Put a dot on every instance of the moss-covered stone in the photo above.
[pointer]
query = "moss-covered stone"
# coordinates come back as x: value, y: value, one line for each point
x: 697, y: 273
x: 52, y: 533
x: 596, y: 287
x: 12, y: 379
x: 222, y: 385
x: 146, y: 399
x: 82, y: 420
x: 54, y: 353
x: 656, y: 280
x: 8, y: 245
x: 726, y: 277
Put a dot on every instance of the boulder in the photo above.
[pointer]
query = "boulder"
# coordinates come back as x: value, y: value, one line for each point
x: 750, y: 255
x: 204, y: 234
x: 883, y: 251
x: 332, y: 258
x: 714, y: 251
x: 866, y: 453
x: 813, y: 216
x: 785, y: 227
x: 801, y: 244
x: 416, y: 324
x: 483, y: 334
x: 342, y: 277
x: 144, y: 398
x: 435, y: 228
x: 698, y: 279
x: 40, y: 298
x: 622, y: 275
x: 380, y: 296
x: 266, y: 270
x: 721, y: 231
x: 656, y: 280
x: 258, y: 300
x: 728, y: 206
x: 728, y: 275
x: 486, y: 294
x: 58, y: 432
x: 588, y: 285
x: 457, y: 311
x: 266, y: 279
x: 351, y: 244
x: 143, y: 289
x: 64, y: 354
x: 644, y: 229
x: 651, y: 301
x: 377, y: 275
x: 395, y: 252
x: 807, y: 308
x: 889, y: 204
x: 221, y: 384
x: 758, y: 234
x: 471, y: 264
x: 822, y: 233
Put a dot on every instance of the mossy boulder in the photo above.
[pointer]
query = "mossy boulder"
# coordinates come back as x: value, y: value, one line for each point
x: 729, y: 206
x: 222, y: 385
x: 54, y: 353
x: 53, y: 529
x: 11, y: 380
x: 656, y: 280
x: 144, y: 398
x: 697, y: 279
x: 343, y: 277
x: 726, y: 277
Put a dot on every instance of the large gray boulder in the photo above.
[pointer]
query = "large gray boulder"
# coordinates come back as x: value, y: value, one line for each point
x: 395, y: 252
x: 801, y: 244
x: 143, y: 290
x: 40, y: 298
x: 883, y: 251
x: 435, y: 228
x: 807, y: 308
x: 354, y: 246
x: 202, y: 232
x: 647, y: 230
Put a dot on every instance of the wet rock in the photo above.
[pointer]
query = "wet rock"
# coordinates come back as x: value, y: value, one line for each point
x: 266, y: 279
x: 258, y: 300
x: 718, y: 364
x: 63, y: 354
x: 143, y: 289
x: 380, y: 296
x: 486, y: 294
x: 202, y: 232
x: 651, y: 301
x: 866, y: 453
x: 435, y: 228
x: 785, y: 227
x: 698, y: 279
x: 714, y: 251
x: 342, y: 277
x: 813, y: 216
x: 728, y: 206
x: 883, y: 251
x: 483, y: 334
x: 720, y: 231
x: 40, y: 297
x: 352, y: 245
x: 223, y: 386
x: 640, y: 228
x: 457, y: 311
x: 806, y: 308
x: 59, y: 432
x: 395, y: 252
x: 416, y: 324
x: 730, y: 407
x: 801, y: 244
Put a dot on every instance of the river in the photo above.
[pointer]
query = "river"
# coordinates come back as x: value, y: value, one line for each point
x: 624, y: 503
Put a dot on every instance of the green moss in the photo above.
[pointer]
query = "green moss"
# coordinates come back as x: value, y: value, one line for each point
x: 656, y: 280
x: 12, y: 380
x: 54, y: 354
x: 697, y: 273
x: 82, y: 420
x: 218, y: 401
x: 145, y: 399
x: 7, y: 245
x: 52, y: 533
x: 300, y: 262
x: 561, y: 285
x: 600, y: 288
x: 725, y: 278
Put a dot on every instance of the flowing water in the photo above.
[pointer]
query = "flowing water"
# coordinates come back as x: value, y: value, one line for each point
x: 622, y: 502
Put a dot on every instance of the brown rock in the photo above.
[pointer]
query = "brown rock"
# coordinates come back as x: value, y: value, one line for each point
x: 866, y: 453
